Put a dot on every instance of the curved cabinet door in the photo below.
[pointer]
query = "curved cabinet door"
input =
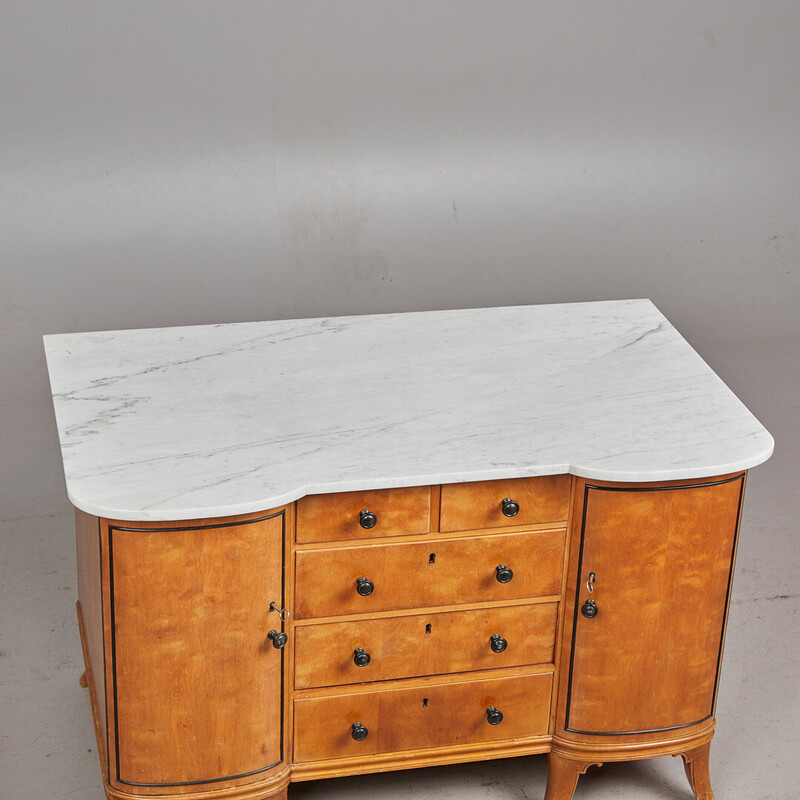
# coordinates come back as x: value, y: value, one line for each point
x: 662, y: 559
x: 196, y: 682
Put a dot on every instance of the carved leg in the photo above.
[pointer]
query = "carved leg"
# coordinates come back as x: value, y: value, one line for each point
x: 562, y: 776
x: 82, y: 681
x: 695, y: 762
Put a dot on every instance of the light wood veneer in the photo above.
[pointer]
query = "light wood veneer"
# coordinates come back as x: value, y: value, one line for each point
x: 435, y: 643
x: 192, y: 699
x: 334, y: 517
x: 403, y: 718
x: 189, y: 611
x: 432, y: 573
x: 479, y: 505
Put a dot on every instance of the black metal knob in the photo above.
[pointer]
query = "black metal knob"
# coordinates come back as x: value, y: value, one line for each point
x: 589, y: 609
x: 359, y: 732
x: 497, y: 643
x: 366, y: 519
x: 364, y: 587
x: 510, y: 508
x: 493, y: 716
x: 278, y: 639
x: 360, y: 657
x: 503, y: 573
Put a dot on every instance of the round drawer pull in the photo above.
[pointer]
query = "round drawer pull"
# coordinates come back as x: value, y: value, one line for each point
x: 366, y: 587
x: 278, y: 639
x: 359, y: 732
x: 503, y: 573
x: 589, y: 609
x: 361, y: 657
x: 493, y: 716
x: 366, y: 519
x: 509, y: 507
x: 497, y: 643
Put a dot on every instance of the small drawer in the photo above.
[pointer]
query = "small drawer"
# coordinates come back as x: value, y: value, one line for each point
x: 439, y: 572
x: 360, y: 515
x: 495, y: 504
x: 340, y: 653
x: 397, y: 719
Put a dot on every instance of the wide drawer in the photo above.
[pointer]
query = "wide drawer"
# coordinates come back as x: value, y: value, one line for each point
x: 339, y: 653
x: 473, y: 506
x: 360, y: 515
x: 386, y: 577
x: 413, y: 718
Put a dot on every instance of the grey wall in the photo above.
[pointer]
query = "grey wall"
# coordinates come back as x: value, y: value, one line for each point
x: 165, y: 162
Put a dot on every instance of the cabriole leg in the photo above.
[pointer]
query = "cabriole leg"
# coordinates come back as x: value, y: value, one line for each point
x: 562, y: 776
x: 695, y: 762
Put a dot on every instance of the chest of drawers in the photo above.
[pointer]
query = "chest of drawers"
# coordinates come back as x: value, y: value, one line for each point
x: 432, y: 612
x: 452, y: 644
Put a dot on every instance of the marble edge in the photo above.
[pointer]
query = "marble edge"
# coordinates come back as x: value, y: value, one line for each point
x: 270, y: 502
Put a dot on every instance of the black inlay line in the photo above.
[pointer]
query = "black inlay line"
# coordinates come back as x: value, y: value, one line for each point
x: 663, y: 488
x: 577, y: 601
x: 208, y: 780
x: 111, y: 529
x: 198, y: 527
x: 105, y: 666
x: 587, y: 487
x: 113, y: 646
x: 728, y: 596
x: 283, y: 605
x: 651, y: 730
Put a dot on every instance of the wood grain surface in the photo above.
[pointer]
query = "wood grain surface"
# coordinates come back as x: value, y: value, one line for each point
x: 663, y: 561
x: 438, y: 714
x: 197, y: 681
x: 334, y: 517
x: 436, y: 572
x: 470, y: 506
x: 423, y: 644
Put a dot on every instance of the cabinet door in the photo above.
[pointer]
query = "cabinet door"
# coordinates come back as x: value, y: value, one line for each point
x: 196, y: 681
x: 662, y: 560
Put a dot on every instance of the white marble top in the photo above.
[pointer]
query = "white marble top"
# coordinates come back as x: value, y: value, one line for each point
x: 183, y: 423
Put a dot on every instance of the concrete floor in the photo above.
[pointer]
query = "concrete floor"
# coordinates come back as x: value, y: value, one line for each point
x: 47, y: 747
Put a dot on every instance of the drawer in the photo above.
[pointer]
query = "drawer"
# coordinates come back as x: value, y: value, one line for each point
x: 433, y: 573
x: 424, y: 644
x: 335, y: 517
x: 472, y: 506
x: 436, y: 715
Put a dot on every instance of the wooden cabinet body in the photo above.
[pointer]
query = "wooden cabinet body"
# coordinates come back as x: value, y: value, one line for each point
x: 662, y: 560
x: 186, y: 691
x: 470, y: 642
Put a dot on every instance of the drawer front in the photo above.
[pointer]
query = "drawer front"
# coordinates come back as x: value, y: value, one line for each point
x: 339, y: 653
x: 471, y: 506
x: 434, y: 573
x: 336, y: 517
x: 420, y: 717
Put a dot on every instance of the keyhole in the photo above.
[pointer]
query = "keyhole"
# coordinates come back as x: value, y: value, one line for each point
x: 424, y: 702
x: 432, y: 558
x: 428, y: 628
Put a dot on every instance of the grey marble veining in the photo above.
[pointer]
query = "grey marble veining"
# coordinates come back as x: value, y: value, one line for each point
x: 183, y: 423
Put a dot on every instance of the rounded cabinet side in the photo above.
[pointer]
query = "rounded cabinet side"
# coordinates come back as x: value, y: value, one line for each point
x: 195, y: 689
